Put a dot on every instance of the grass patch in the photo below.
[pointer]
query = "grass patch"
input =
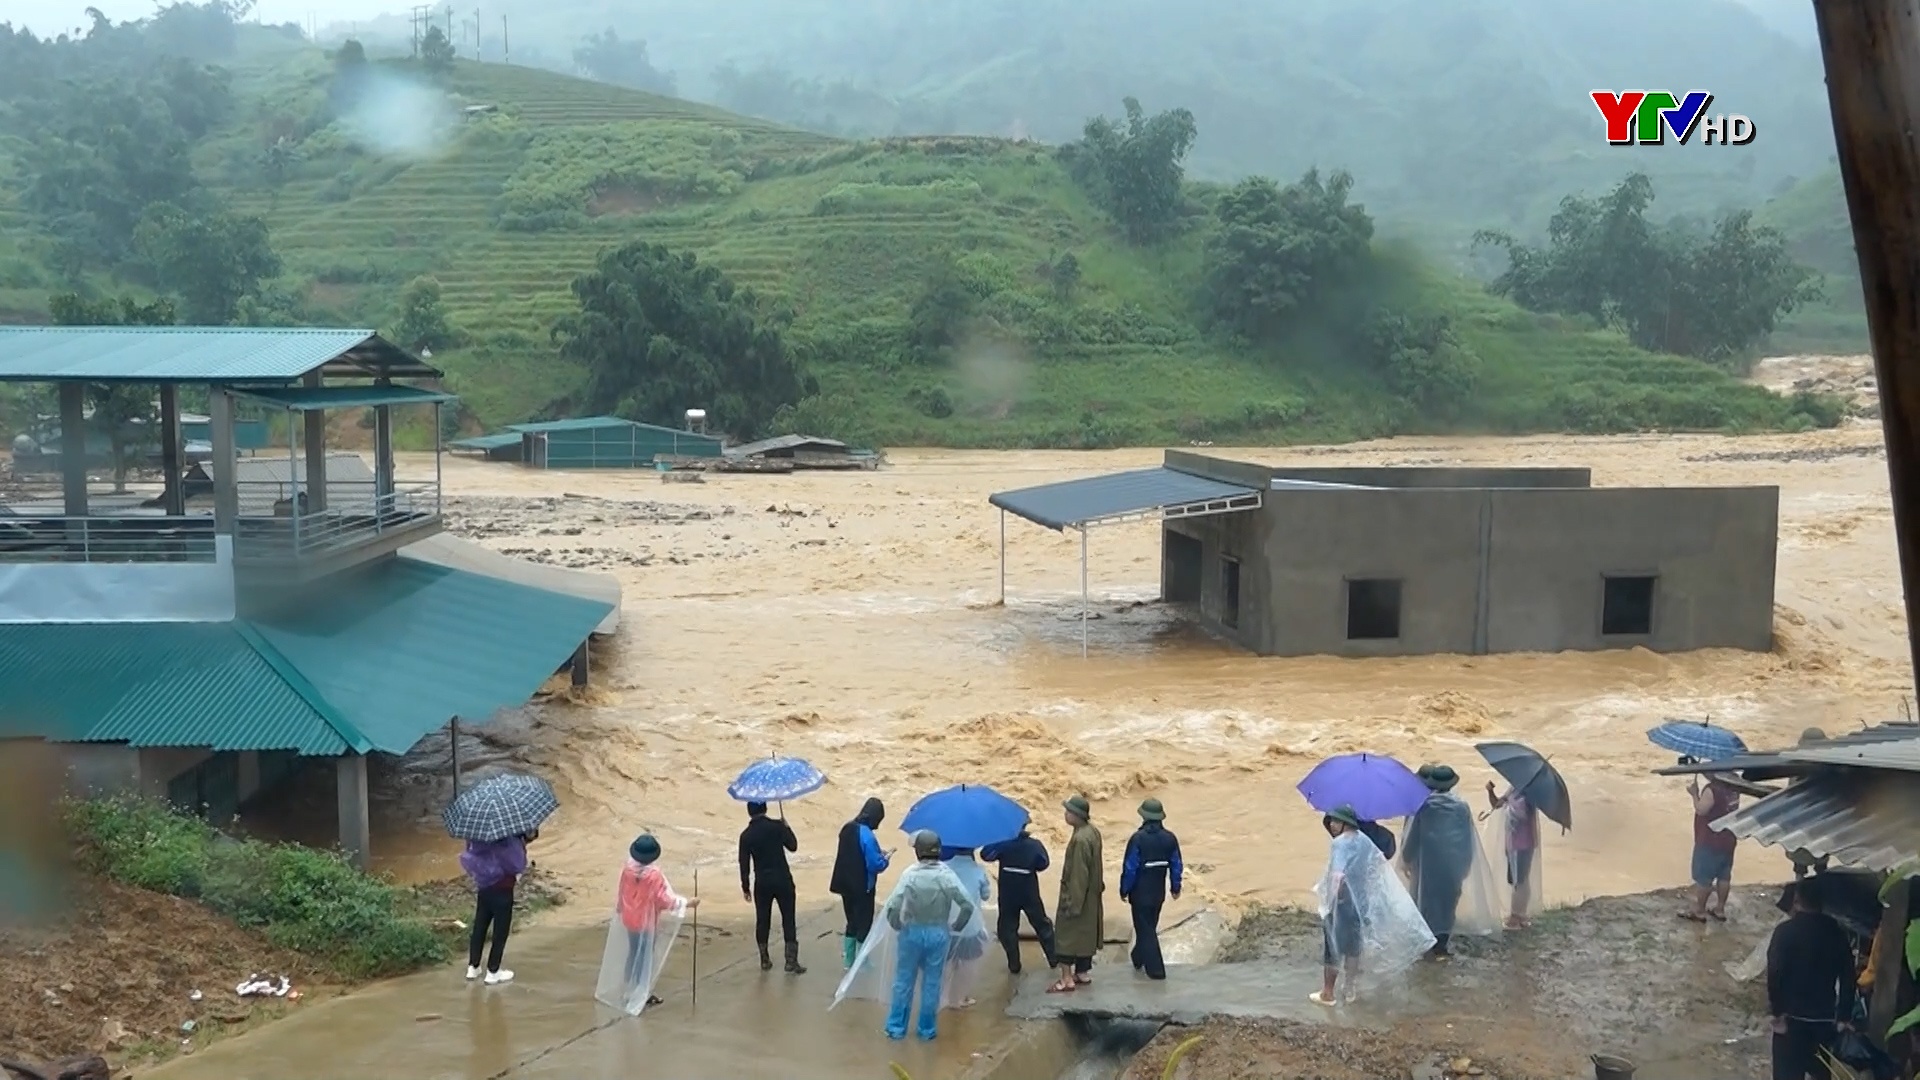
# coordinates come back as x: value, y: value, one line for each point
x: 302, y: 899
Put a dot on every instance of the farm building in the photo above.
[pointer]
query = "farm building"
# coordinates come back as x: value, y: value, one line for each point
x: 590, y: 442
x: 806, y: 452
x: 1409, y: 561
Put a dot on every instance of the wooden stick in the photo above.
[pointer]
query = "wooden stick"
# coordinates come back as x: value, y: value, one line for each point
x: 1871, y: 49
x: 694, y: 998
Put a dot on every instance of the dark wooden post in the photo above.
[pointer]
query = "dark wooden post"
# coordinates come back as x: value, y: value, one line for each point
x: 1889, y: 961
x: 579, y: 665
x: 1872, y: 54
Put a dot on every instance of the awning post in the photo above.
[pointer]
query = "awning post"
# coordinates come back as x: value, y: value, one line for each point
x: 453, y: 750
x: 350, y: 780
x: 1003, y: 558
x: 1083, y: 590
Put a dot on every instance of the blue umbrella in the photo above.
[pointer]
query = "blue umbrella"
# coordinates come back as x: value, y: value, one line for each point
x: 1697, y: 739
x: 1376, y: 786
x: 967, y: 816
x: 776, y: 779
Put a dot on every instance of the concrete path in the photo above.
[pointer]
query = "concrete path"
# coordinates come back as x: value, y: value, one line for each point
x: 747, y: 1025
x: 1189, y: 995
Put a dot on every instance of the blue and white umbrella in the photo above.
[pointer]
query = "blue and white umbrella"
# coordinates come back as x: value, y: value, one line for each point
x: 507, y: 804
x: 776, y: 779
x: 1697, y: 739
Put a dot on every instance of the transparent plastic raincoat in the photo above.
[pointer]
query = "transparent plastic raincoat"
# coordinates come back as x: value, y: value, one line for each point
x: 647, y: 914
x: 871, y: 978
x: 1371, y: 924
x: 1447, y: 871
x: 1514, y: 830
x: 969, y: 952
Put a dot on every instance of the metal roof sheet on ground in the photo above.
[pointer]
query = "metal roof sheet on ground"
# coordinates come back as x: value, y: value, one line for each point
x: 374, y: 660
x: 787, y: 442
x: 194, y: 354
x: 264, y: 481
x: 1073, y: 503
x: 316, y: 398
x: 402, y: 646
x: 487, y: 442
x: 445, y: 549
x: 1871, y: 822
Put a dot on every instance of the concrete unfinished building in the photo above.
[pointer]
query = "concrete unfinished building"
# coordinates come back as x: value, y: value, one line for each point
x: 1410, y: 561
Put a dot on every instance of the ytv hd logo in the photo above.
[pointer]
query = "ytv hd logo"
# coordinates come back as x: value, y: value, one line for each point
x: 1646, y: 117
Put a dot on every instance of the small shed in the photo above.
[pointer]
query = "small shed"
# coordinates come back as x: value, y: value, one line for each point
x: 607, y: 442
x: 806, y: 452
x: 504, y: 446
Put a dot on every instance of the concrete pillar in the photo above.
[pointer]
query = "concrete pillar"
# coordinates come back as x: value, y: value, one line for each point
x: 356, y: 837
x: 249, y: 768
x: 383, y: 453
x: 226, y: 489
x: 579, y: 665
x: 73, y: 448
x: 316, y: 440
x: 175, y: 498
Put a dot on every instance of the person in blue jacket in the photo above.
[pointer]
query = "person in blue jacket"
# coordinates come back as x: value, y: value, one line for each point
x: 1021, y: 860
x: 1150, y: 871
x: 856, y: 874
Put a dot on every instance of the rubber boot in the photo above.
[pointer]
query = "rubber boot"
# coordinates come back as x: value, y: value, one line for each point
x: 793, y: 959
x: 766, y: 960
x: 849, y: 948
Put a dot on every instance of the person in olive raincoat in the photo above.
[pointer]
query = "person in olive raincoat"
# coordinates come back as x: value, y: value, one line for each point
x: 1079, y: 918
x: 1149, y: 872
x: 1438, y: 853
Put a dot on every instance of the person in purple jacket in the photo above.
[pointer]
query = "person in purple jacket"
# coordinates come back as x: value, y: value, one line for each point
x: 495, y: 868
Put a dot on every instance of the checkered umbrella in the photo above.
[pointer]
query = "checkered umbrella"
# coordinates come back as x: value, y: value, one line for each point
x: 500, y: 806
x: 1697, y: 739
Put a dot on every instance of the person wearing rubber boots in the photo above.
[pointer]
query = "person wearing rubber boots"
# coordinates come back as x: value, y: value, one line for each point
x: 1021, y: 861
x: 857, y: 865
x: 1149, y: 873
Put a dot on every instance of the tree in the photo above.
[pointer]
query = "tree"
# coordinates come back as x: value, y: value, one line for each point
x: 658, y: 333
x: 350, y: 56
x: 210, y: 261
x: 423, y: 321
x: 1276, y: 248
x: 605, y: 58
x: 1711, y: 294
x: 1064, y: 274
x: 436, y: 52
x: 1423, y: 362
x: 941, y: 311
x: 124, y: 414
x: 1135, y: 172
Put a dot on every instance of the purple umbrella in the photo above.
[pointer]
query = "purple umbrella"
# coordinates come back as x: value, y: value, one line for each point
x: 1377, y: 787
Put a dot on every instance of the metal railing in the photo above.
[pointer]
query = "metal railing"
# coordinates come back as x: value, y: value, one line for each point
x: 40, y: 538
x: 277, y: 523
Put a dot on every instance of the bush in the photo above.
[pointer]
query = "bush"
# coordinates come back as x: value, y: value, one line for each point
x: 302, y: 899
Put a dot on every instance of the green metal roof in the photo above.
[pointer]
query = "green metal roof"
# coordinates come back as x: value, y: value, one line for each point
x: 578, y: 423
x: 488, y: 442
x: 197, y: 354
x: 374, y: 659
x: 316, y: 398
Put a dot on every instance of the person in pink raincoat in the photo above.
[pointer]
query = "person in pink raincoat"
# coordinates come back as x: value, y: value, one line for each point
x: 644, y: 896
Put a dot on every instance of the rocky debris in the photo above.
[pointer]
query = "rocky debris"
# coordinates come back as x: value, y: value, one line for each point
x: 1808, y: 455
x: 480, y: 517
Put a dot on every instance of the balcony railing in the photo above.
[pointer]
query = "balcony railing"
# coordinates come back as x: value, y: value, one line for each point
x: 39, y: 538
x: 275, y: 523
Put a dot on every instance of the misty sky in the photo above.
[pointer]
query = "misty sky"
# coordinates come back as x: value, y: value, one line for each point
x: 48, y: 17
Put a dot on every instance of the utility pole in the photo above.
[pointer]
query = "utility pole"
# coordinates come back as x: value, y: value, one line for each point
x: 476, y: 34
x: 506, y: 48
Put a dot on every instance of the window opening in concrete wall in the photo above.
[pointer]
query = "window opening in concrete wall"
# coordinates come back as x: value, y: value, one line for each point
x: 1186, y: 565
x: 1373, y: 609
x: 1626, y: 605
x: 1230, y: 590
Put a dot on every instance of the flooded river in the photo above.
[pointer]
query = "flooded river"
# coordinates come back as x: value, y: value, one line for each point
x: 851, y: 618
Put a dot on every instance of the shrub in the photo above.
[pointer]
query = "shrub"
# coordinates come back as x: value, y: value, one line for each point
x: 302, y: 899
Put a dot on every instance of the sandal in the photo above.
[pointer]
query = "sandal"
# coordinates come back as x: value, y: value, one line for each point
x: 1083, y: 980
x: 1319, y: 998
x: 1717, y: 916
x: 1691, y: 916
x: 652, y: 1001
x: 1064, y: 987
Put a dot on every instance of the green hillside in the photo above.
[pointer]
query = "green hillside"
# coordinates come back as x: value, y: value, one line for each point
x: 510, y: 203
x: 1812, y: 214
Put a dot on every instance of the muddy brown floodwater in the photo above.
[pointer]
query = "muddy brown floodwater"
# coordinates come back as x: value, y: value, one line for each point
x: 851, y: 619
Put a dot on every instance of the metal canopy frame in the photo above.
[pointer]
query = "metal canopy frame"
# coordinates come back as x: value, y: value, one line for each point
x: 1231, y: 504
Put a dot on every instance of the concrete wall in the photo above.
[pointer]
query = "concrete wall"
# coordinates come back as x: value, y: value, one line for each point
x: 1262, y: 476
x: 1511, y: 570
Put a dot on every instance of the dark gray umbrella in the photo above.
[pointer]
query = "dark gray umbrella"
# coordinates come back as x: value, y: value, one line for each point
x: 1533, y: 777
x: 500, y: 806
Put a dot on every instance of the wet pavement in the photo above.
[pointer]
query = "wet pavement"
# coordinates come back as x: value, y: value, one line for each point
x: 1190, y: 995
x: 747, y: 1024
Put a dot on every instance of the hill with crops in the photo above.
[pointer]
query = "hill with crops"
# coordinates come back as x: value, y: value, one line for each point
x: 941, y: 290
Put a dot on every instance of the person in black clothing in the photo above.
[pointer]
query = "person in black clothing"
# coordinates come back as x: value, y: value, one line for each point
x: 1021, y: 860
x: 766, y: 881
x: 1149, y: 871
x: 1810, y: 985
x: 856, y: 873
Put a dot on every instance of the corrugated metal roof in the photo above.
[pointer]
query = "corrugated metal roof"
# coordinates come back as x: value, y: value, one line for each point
x: 488, y: 442
x: 446, y: 549
x: 197, y: 354
x: 1860, y: 819
x: 314, y: 398
x: 1072, y: 503
x: 1773, y: 764
x: 402, y: 646
x: 787, y: 442
x: 578, y: 423
x: 1899, y: 754
x: 371, y: 660
x: 154, y: 684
